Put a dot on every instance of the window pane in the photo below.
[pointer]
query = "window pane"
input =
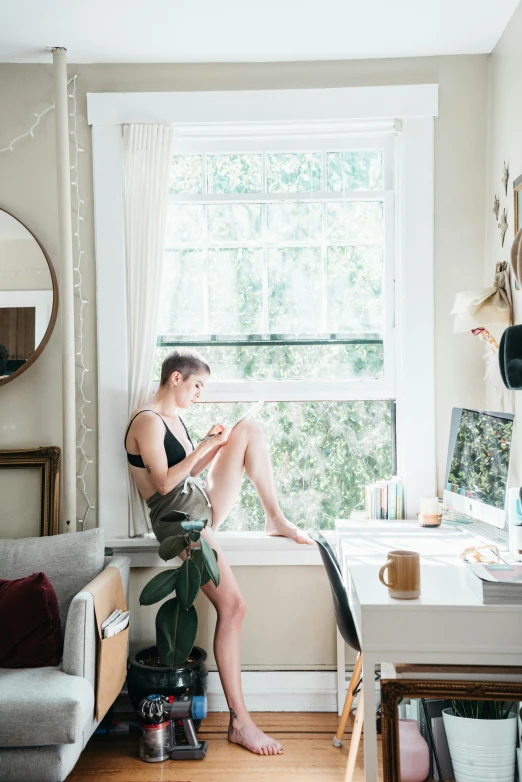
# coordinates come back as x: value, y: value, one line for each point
x: 235, y: 222
x: 235, y: 173
x: 295, y: 300
x: 288, y: 362
x: 184, y: 224
x: 186, y: 174
x: 355, y: 221
x: 355, y: 289
x: 294, y: 221
x: 182, y: 300
x: 291, y: 172
x: 323, y: 455
x: 235, y: 279
x: 356, y: 169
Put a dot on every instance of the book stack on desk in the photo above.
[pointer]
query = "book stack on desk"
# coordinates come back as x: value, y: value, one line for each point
x: 497, y: 583
x: 384, y: 499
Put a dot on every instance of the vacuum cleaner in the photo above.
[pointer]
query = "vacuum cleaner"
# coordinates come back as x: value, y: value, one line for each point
x: 159, y: 716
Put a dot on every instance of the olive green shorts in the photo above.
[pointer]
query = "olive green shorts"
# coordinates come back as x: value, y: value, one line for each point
x: 189, y: 497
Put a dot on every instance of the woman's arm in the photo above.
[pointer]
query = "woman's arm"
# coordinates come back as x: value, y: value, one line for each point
x: 149, y: 433
x: 204, y: 461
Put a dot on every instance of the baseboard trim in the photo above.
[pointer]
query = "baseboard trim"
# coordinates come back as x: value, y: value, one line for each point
x: 280, y: 691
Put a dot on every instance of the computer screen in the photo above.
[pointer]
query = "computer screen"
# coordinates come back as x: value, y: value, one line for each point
x: 478, y: 463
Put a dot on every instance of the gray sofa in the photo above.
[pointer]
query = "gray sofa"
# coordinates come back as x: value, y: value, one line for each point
x: 47, y: 714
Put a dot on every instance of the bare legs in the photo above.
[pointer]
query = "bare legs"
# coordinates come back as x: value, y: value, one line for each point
x: 246, y: 450
x: 231, y: 608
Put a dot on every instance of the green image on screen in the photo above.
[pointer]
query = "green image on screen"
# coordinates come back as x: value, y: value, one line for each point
x: 479, y: 467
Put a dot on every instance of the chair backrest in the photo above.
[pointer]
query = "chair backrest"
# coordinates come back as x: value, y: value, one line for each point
x: 343, y: 612
x: 70, y: 561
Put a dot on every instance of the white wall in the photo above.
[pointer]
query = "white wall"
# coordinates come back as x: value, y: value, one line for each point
x: 505, y: 144
x: 276, y: 634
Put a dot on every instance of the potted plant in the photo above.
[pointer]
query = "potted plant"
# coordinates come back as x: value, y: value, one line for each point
x: 174, y: 666
x: 482, y: 737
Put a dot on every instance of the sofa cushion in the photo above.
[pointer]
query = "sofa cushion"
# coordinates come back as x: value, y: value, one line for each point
x: 31, y: 636
x: 40, y: 706
x: 69, y: 561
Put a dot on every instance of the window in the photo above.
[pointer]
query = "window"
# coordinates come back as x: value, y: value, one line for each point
x: 309, y: 120
x: 279, y: 267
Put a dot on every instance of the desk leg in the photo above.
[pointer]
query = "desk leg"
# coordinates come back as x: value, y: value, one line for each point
x: 341, y: 675
x: 370, y: 733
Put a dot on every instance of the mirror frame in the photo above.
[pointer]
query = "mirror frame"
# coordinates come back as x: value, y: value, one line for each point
x: 54, y: 312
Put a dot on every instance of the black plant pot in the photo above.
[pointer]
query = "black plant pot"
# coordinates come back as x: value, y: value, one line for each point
x: 187, y: 679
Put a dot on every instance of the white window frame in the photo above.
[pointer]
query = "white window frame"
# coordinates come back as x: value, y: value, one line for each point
x: 333, y: 111
x: 191, y: 140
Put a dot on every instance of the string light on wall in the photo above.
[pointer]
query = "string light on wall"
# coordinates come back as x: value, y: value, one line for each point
x: 84, y: 430
x: 30, y: 132
x: 83, y: 459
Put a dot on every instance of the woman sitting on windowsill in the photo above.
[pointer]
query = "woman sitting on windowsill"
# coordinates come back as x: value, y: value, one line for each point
x: 165, y: 466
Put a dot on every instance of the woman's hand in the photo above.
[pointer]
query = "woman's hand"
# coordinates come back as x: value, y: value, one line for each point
x: 216, y: 437
x: 215, y: 430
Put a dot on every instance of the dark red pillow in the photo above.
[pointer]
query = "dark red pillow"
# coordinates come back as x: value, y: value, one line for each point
x: 31, y: 636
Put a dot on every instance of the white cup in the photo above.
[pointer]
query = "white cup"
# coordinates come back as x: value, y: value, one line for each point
x: 429, y: 506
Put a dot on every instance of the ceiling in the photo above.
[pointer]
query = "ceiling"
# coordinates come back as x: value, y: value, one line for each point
x: 148, y: 31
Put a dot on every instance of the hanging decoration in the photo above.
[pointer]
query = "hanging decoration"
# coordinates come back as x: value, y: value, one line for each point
x: 496, y: 207
x: 505, y: 177
x: 503, y: 226
x: 83, y: 460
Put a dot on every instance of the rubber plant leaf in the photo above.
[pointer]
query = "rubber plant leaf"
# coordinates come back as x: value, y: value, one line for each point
x: 176, y: 631
x: 172, y: 547
x: 210, y: 561
x: 188, y: 583
x: 158, y: 587
x: 193, y: 528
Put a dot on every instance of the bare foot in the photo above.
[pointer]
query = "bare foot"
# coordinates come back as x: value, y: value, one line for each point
x: 281, y: 527
x: 248, y: 735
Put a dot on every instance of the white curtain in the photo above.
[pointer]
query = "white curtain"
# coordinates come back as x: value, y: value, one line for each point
x: 147, y: 156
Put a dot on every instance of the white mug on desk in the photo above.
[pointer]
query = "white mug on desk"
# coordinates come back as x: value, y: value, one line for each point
x: 403, y: 574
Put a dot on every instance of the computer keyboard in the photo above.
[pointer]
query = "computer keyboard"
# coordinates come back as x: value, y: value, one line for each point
x: 468, y: 525
x: 486, y: 531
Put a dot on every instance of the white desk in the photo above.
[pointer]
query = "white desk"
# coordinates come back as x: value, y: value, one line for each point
x: 446, y: 625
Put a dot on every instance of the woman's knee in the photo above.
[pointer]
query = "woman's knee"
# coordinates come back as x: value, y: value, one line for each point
x: 233, y: 609
x: 248, y: 427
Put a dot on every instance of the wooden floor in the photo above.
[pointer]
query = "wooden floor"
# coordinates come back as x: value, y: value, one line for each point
x: 308, y: 755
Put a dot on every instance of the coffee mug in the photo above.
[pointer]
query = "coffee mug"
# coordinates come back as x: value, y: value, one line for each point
x: 403, y: 574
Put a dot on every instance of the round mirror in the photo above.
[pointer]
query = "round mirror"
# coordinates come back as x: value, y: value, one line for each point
x: 28, y: 298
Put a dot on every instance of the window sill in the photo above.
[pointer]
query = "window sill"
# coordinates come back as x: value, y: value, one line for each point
x: 241, y: 548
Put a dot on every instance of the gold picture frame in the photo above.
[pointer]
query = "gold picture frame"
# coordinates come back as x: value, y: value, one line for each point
x: 49, y: 461
x: 517, y: 204
x: 393, y: 690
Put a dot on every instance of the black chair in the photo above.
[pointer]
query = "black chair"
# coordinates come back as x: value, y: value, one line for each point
x: 346, y: 625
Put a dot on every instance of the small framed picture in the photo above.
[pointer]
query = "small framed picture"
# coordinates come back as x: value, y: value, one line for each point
x: 517, y: 212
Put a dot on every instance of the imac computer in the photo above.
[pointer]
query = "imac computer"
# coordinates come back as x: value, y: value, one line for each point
x: 478, y: 464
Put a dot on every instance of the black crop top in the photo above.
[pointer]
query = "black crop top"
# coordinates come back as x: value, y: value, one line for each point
x: 173, y: 448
